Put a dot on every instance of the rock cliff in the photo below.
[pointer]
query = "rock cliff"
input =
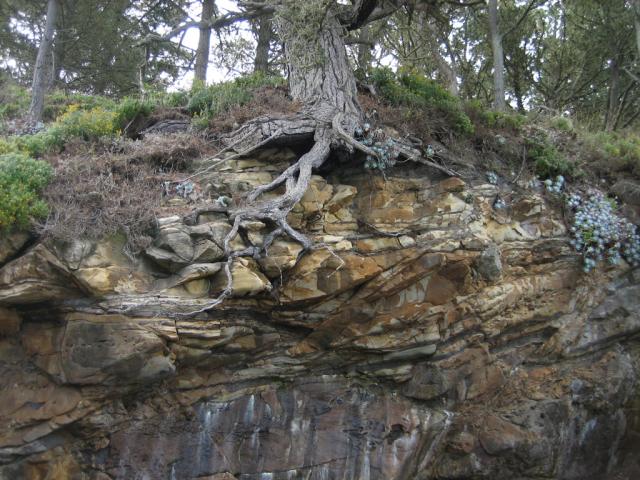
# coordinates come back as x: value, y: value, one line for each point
x: 428, y: 335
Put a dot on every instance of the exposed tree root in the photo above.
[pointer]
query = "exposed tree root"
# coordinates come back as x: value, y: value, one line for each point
x: 296, y: 179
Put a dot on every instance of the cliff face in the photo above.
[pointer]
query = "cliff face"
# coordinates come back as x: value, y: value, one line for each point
x: 429, y: 336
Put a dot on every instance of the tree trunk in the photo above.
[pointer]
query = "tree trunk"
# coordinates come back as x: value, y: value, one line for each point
x: 498, y: 57
x: 446, y: 70
x: 40, y: 77
x: 265, y: 33
x: 614, y: 95
x: 202, y: 53
x: 636, y: 21
x: 364, y: 51
x: 326, y: 84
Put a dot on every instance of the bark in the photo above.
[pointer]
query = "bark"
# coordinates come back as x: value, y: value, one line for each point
x: 498, y: 57
x: 40, y: 74
x: 447, y: 70
x: 614, y: 95
x: 327, y: 88
x: 636, y: 21
x: 265, y: 34
x: 364, y: 49
x: 204, y: 40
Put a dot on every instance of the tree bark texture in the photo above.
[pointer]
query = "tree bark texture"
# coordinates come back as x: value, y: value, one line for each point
x: 265, y: 34
x: 498, y: 57
x: 204, y: 41
x: 40, y: 77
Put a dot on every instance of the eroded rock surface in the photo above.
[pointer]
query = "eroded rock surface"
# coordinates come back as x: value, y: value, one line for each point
x: 431, y: 337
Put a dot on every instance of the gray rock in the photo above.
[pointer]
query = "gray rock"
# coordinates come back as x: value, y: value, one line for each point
x: 489, y: 264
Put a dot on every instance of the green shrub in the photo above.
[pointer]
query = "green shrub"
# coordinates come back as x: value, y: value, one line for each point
x: 130, y: 108
x: 58, y: 102
x: 614, y: 151
x: 218, y: 98
x: 21, y: 180
x: 416, y: 91
x: 86, y: 124
x: 503, y: 120
x: 562, y: 124
x: 548, y: 161
x: 494, y: 119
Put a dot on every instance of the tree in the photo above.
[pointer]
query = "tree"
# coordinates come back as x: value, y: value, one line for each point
x: 204, y: 40
x: 263, y: 46
x: 320, y: 78
x: 40, y: 71
x: 498, y: 57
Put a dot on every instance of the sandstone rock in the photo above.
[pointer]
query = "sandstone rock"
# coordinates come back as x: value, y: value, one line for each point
x: 247, y: 279
x: 9, y: 322
x: 489, y: 264
x: 498, y: 435
x: 93, y: 349
x: 37, y: 276
x: 10, y: 244
x: 452, y: 184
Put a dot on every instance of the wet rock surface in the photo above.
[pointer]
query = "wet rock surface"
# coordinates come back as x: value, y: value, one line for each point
x: 431, y: 337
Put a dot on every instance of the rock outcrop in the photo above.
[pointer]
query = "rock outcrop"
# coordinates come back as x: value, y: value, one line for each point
x: 429, y: 336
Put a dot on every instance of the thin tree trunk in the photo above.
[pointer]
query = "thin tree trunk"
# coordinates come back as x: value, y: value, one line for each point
x: 498, y: 57
x: 636, y: 21
x: 204, y: 41
x: 364, y: 50
x: 447, y: 71
x: 265, y: 33
x: 40, y: 77
x: 614, y: 93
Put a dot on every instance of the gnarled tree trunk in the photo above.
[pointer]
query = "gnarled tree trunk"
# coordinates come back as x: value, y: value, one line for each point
x: 321, y: 78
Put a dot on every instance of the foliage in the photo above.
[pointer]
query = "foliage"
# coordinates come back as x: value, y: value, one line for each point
x: 21, y: 180
x: 548, y: 161
x: 14, y: 100
x: 613, y: 151
x: 209, y: 102
x: 89, y: 124
x: 418, y: 92
x: 562, y: 124
x: 58, y: 102
x: 599, y: 233
x: 96, y: 47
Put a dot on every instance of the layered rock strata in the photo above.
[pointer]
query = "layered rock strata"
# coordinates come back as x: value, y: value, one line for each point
x: 428, y: 336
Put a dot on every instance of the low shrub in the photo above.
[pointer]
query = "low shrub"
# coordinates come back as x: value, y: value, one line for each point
x: 96, y: 197
x: 548, y: 161
x: 415, y: 91
x: 89, y: 124
x: 613, y: 151
x: 562, y: 124
x: 211, y: 101
x: 21, y: 180
x: 599, y: 233
x: 131, y: 108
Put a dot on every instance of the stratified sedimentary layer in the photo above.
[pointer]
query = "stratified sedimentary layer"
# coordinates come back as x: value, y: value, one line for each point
x: 428, y: 336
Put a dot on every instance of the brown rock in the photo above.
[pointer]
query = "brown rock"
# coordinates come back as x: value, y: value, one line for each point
x: 9, y: 322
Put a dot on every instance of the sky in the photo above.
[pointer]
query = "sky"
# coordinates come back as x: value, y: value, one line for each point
x: 214, y: 73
